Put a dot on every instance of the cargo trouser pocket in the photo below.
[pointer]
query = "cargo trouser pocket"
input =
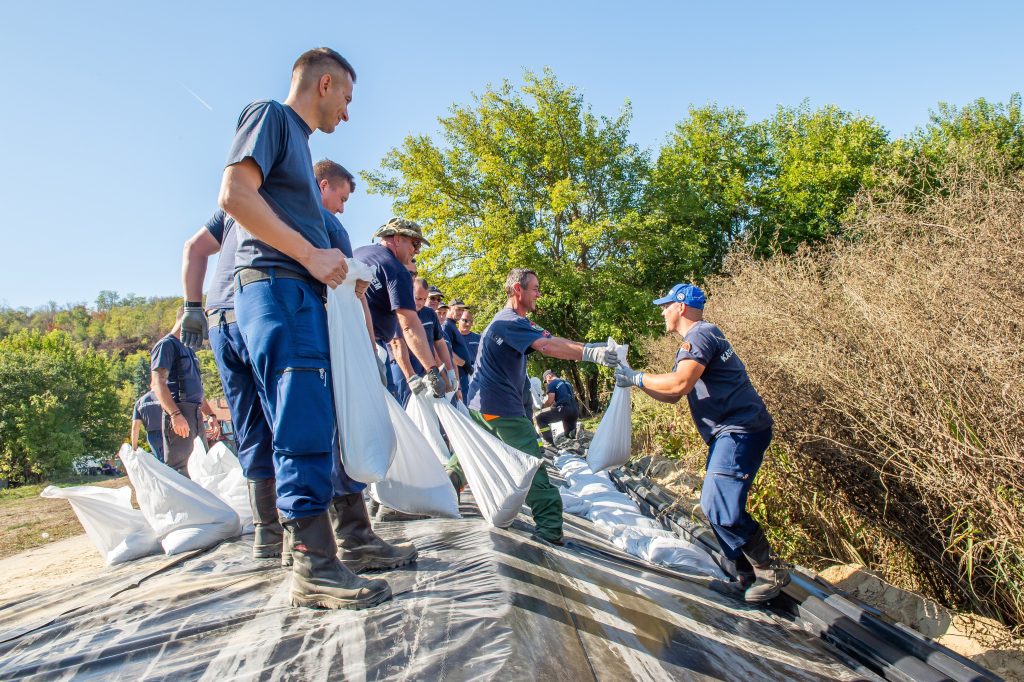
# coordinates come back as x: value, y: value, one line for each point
x: 304, y: 415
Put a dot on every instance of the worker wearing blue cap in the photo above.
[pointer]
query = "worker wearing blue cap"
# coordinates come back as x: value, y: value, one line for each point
x: 734, y: 422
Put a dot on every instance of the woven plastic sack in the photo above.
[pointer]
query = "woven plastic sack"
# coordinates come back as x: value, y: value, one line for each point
x: 416, y: 483
x: 219, y: 471
x: 499, y: 475
x: 426, y: 423
x: 367, y: 436
x: 119, y: 531
x: 183, y: 514
x: 613, y: 440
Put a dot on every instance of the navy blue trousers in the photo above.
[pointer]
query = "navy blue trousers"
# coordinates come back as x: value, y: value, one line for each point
x: 733, y: 461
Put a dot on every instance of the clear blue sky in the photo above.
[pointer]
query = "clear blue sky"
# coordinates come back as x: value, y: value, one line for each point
x: 109, y: 163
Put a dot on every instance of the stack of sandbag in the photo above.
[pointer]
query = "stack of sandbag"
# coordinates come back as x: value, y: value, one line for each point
x: 119, y: 531
x: 183, y: 514
x: 367, y: 434
x: 219, y: 471
x: 612, y: 443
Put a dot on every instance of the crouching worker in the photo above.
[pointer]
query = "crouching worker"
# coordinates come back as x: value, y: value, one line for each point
x: 734, y: 422
x: 496, y: 390
x: 559, y: 406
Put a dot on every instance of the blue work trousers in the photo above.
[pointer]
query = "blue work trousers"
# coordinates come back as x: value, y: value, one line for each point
x: 156, y: 443
x: 733, y: 461
x: 397, y: 385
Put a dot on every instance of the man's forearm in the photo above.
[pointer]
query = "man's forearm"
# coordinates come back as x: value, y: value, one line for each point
x: 416, y: 338
x: 401, y: 353
x: 136, y: 426
x: 163, y: 393
x: 369, y: 321
x: 194, y: 258
x: 208, y: 409
x: 559, y: 348
x: 441, y: 351
x: 248, y: 207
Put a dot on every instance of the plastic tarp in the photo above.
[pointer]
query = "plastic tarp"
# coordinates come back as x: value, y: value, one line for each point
x: 367, y: 436
x: 219, y: 471
x: 416, y: 483
x: 183, y: 514
x: 613, y: 439
x: 481, y: 603
x: 119, y: 531
x: 618, y: 516
x: 499, y: 475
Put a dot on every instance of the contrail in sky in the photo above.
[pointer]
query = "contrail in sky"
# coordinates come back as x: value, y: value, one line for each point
x: 201, y: 100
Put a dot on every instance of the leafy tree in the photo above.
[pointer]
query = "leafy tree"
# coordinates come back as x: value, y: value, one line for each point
x: 106, y: 300
x: 212, y: 388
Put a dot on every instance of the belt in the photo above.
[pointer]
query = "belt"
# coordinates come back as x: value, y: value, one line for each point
x: 249, y: 275
x: 221, y: 316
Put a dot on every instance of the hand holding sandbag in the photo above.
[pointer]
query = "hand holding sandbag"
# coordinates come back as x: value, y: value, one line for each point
x: 600, y: 354
x: 626, y: 377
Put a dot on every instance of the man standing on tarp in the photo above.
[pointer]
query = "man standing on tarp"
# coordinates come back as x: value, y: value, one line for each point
x: 734, y: 422
x: 496, y: 390
x: 149, y: 415
x: 559, y: 406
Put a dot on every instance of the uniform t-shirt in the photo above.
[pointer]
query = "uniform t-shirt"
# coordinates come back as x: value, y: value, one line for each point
x: 336, y: 233
x: 221, y: 294
x: 497, y: 384
x: 723, y: 400
x: 277, y: 139
x: 183, y: 378
x: 389, y: 290
x: 456, y: 344
x: 149, y: 412
x: 432, y: 327
x: 563, y: 392
x: 472, y: 341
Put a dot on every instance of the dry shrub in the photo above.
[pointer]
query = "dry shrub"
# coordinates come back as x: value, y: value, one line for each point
x: 894, y: 368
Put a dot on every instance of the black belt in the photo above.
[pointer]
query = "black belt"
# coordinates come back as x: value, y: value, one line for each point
x: 249, y: 275
x: 221, y: 316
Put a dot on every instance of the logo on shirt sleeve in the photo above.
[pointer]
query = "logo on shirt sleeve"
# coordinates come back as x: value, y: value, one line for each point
x: 685, y: 348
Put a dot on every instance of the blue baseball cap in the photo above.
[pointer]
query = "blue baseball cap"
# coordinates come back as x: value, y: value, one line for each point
x: 689, y: 294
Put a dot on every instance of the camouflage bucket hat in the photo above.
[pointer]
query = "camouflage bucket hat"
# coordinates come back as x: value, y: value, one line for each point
x: 403, y: 227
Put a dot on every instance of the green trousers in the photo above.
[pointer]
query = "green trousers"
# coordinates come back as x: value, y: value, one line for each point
x: 543, y: 499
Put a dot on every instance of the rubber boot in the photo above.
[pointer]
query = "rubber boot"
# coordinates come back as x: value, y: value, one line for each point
x: 286, y: 550
x: 269, y: 533
x: 319, y: 580
x: 771, y: 575
x: 359, y: 548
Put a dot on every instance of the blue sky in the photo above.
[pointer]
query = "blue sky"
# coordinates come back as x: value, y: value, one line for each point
x: 117, y: 116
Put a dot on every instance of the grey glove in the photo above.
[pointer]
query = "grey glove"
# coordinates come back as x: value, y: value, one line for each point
x: 193, y: 326
x: 626, y: 377
x: 436, y: 383
x: 382, y: 370
x: 453, y: 380
x: 600, y: 354
x: 417, y: 385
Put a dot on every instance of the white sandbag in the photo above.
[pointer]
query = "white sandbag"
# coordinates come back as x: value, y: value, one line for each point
x: 613, y: 440
x: 573, y: 503
x: 416, y: 483
x: 426, y: 422
x: 499, y: 475
x: 119, y: 531
x: 219, y: 471
x: 367, y: 436
x: 183, y: 514
x: 537, y: 393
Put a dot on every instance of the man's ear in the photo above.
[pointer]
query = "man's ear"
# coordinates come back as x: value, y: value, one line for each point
x: 325, y: 84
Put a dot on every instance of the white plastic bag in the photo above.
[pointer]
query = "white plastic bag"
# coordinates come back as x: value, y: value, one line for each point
x: 499, y: 474
x: 425, y: 420
x: 219, y: 471
x: 537, y: 393
x: 183, y: 514
x: 119, y: 531
x: 613, y: 440
x: 416, y: 483
x: 367, y: 436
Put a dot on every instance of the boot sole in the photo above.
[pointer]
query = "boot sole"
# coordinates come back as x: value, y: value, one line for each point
x: 266, y: 553
x: 326, y: 601
x: 362, y: 565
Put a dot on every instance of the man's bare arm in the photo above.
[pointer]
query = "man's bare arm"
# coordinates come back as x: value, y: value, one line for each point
x: 671, y: 387
x: 415, y: 337
x: 136, y: 427
x: 557, y: 347
x: 194, y: 257
x: 401, y: 353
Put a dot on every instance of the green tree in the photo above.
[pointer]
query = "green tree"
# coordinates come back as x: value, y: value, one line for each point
x: 212, y: 388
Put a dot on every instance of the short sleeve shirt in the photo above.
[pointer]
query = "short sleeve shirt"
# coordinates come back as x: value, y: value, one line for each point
x: 277, y: 139
x: 456, y: 343
x: 336, y: 233
x: 389, y: 290
x: 183, y: 378
x: 221, y: 294
x: 563, y: 392
x: 432, y: 328
x: 472, y: 340
x: 149, y: 412
x: 500, y: 370
x: 723, y: 400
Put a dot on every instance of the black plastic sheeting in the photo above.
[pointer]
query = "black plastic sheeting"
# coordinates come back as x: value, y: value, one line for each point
x: 480, y: 603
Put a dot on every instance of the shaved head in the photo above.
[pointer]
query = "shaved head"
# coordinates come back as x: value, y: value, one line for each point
x: 314, y: 63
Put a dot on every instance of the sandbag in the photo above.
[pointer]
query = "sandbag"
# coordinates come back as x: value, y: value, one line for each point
x: 537, y: 393
x: 183, y: 514
x: 219, y: 471
x: 367, y: 436
x: 613, y: 441
x: 426, y: 423
x: 499, y: 475
x: 416, y: 483
x: 119, y: 531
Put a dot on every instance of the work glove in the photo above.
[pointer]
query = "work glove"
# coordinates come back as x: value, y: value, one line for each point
x: 417, y: 385
x: 436, y: 382
x: 453, y: 380
x: 193, y: 326
x: 627, y: 378
x: 468, y: 369
x: 382, y: 370
x: 600, y: 354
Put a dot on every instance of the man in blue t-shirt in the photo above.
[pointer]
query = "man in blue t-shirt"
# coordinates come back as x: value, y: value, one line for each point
x: 734, y: 422
x: 559, y: 406
x: 499, y: 381
x: 432, y: 329
x: 472, y: 341
x: 392, y: 306
x: 149, y: 415
x: 283, y: 263
x: 461, y: 356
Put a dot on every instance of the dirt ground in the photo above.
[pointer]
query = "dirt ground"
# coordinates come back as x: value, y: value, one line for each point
x: 60, y: 563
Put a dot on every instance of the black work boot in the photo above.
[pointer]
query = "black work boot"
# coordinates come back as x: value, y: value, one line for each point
x: 269, y: 533
x: 771, y: 575
x: 359, y: 548
x: 319, y: 580
x: 740, y: 576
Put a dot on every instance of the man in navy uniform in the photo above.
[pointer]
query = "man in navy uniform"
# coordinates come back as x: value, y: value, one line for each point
x: 734, y: 422
x: 559, y: 406
x: 472, y: 341
x: 149, y: 415
x: 432, y: 329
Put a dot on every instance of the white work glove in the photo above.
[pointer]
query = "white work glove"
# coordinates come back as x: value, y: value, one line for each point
x: 600, y: 354
x: 193, y: 326
x: 627, y: 378
x: 453, y: 381
x: 436, y: 383
x: 382, y: 370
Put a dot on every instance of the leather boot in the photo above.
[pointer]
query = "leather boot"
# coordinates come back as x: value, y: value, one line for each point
x: 359, y: 548
x: 286, y: 549
x: 318, y: 579
x: 771, y: 575
x: 269, y: 533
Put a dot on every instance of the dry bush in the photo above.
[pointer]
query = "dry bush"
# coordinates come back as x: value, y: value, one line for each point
x: 894, y: 368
